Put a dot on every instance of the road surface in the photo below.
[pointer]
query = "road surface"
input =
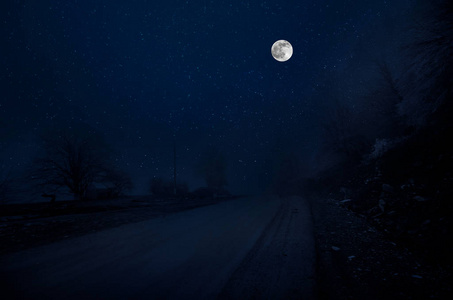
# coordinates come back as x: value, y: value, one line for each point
x: 259, y: 247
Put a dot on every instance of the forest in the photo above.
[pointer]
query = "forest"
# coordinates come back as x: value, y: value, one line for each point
x: 393, y: 159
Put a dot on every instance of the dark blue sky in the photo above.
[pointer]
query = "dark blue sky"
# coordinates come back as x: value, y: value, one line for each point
x: 143, y: 71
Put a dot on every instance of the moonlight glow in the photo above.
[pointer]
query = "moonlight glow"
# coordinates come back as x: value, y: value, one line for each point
x: 282, y: 50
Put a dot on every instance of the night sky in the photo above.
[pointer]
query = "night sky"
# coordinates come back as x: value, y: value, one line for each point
x: 197, y: 73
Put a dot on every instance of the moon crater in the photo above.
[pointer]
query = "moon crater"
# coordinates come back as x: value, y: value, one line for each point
x: 282, y: 50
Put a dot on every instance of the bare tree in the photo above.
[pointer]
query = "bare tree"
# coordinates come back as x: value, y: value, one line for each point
x: 119, y: 181
x: 160, y: 187
x: 383, y: 99
x: 428, y: 82
x: 288, y: 174
x: 6, y: 187
x: 70, y: 160
x: 212, y: 166
x: 343, y: 134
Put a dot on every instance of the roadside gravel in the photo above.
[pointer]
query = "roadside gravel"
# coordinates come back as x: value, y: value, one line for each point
x: 356, y: 261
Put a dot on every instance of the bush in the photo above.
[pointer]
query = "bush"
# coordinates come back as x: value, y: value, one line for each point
x: 161, y: 187
x: 206, y: 192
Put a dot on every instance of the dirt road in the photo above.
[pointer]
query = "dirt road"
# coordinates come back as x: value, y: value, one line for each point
x: 259, y: 247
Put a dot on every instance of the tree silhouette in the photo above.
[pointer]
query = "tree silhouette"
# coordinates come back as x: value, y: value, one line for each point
x: 118, y: 181
x: 428, y: 82
x: 212, y: 167
x: 384, y: 99
x: 74, y: 160
x: 343, y: 135
x: 161, y: 187
x: 6, y: 186
x: 288, y: 174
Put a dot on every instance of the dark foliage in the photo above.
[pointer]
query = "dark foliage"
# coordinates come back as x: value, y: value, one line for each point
x: 76, y: 160
x: 118, y: 182
x: 6, y: 187
x: 404, y: 184
x: 160, y: 187
x: 342, y: 135
x: 212, y: 167
x: 288, y: 175
x: 209, y: 193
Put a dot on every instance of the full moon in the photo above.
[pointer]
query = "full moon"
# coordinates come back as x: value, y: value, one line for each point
x: 282, y: 50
